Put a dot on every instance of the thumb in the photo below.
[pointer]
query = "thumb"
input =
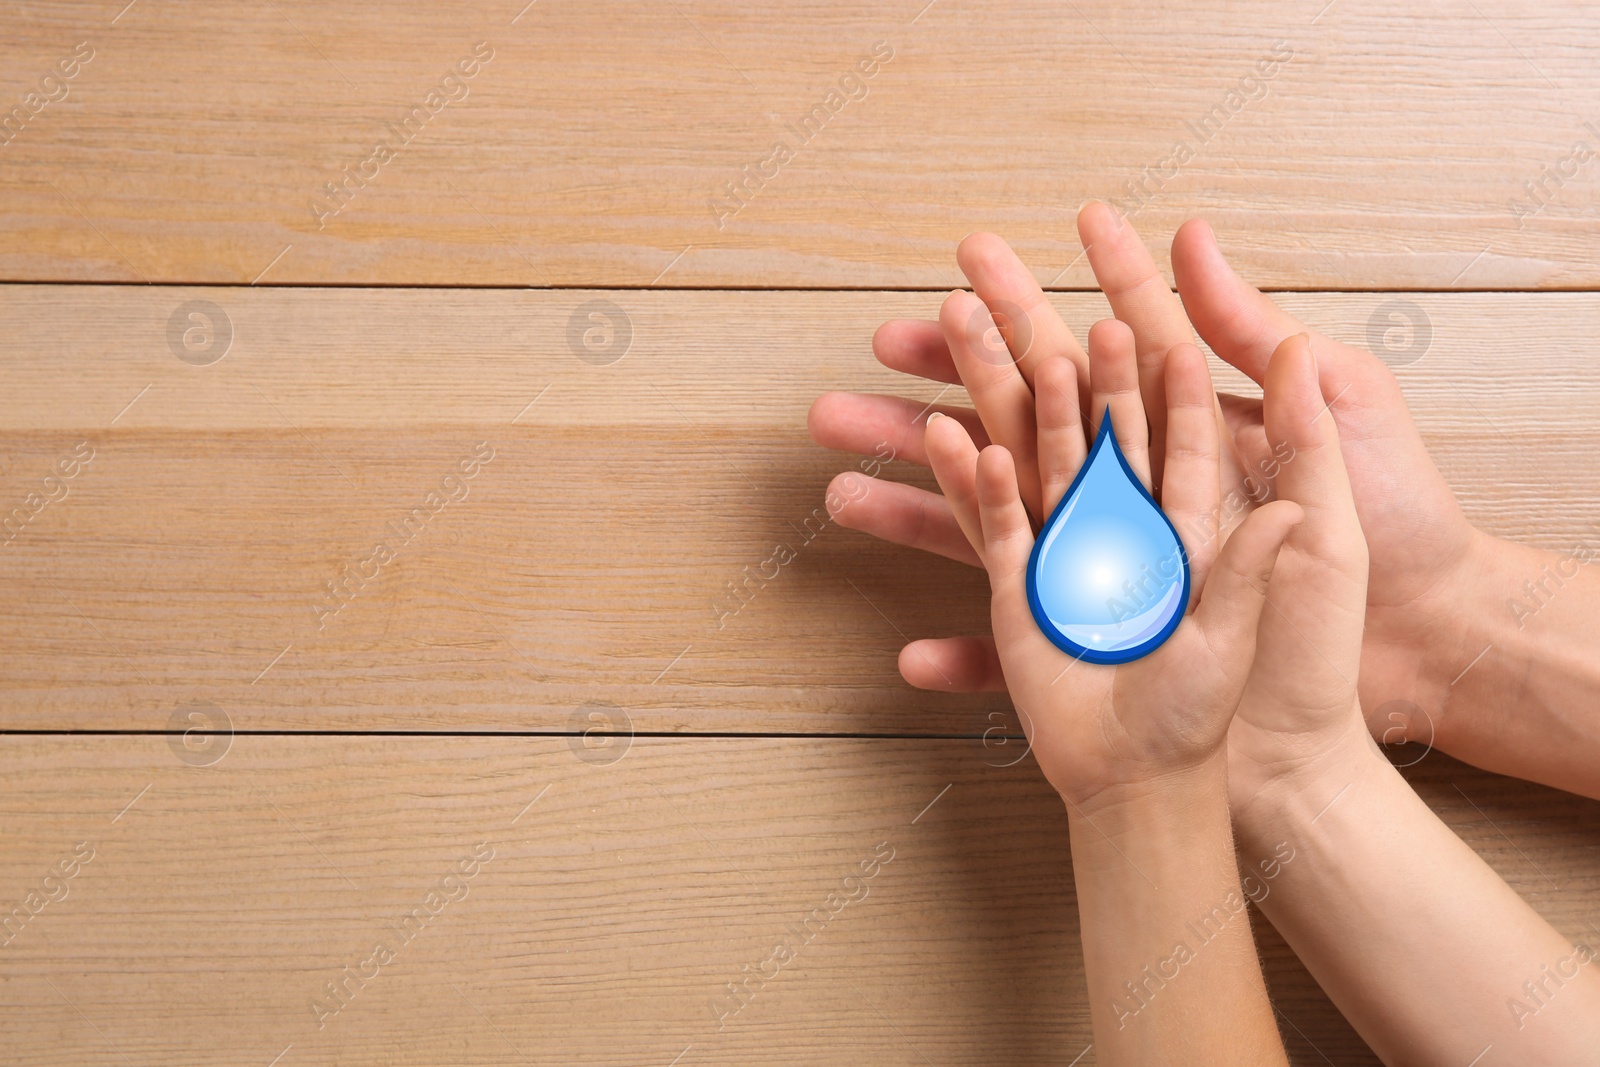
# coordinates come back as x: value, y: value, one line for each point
x: 1236, y: 591
x: 1238, y: 321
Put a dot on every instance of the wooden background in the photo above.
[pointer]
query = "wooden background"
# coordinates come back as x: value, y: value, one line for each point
x: 752, y: 759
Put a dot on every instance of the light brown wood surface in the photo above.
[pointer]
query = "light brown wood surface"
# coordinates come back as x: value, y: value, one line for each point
x: 1386, y: 151
x: 577, y: 589
x: 620, y: 900
x: 587, y: 561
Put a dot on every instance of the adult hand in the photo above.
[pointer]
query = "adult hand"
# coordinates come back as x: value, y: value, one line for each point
x: 1421, y: 544
x: 1419, y: 541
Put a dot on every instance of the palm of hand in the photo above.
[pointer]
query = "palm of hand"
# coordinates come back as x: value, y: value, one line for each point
x: 1093, y: 727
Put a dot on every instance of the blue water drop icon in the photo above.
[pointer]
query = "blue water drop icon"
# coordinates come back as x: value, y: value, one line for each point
x: 1108, y: 580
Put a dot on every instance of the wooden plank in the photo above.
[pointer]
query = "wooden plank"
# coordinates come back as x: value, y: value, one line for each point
x: 1330, y: 147
x: 620, y: 900
x: 588, y: 561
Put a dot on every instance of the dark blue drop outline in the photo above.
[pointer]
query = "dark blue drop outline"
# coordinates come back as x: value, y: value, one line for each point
x: 1042, y: 619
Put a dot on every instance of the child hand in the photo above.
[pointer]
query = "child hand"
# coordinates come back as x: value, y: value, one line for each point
x: 1095, y: 729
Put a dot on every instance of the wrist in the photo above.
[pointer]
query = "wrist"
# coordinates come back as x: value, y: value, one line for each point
x: 1521, y: 665
x: 1300, y: 793
x: 1169, y: 811
x: 1473, y: 618
x: 1473, y: 639
x: 1168, y: 955
x: 1413, y: 660
x: 1413, y: 653
x: 1161, y: 789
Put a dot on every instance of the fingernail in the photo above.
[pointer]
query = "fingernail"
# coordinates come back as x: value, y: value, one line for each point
x: 1316, y: 368
x: 937, y: 415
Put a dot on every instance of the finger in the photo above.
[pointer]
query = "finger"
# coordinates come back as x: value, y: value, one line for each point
x: 1140, y: 297
x: 1240, y: 323
x: 1242, y: 414
x: 1003, y: 399
x: 1007, y: 534
x: 1114, y: 379
x: 953, y: 664
x: 886, y: 427
x: 1033, y: 330
x: 1007, y: 547
x: 1062, y: 447
x: 1191, y: 494
x: 915, y: 346
x: 1230, y: 607
x: 1244, y: 327
x: 899, y: 514
x: 1302, y: 431
x: 1244, y: 420
x: 954, y: 459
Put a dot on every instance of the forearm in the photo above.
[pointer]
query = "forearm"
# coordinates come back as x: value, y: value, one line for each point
x: 1171, y: 963
x: 1420, y: 944
x: 1519, y: 691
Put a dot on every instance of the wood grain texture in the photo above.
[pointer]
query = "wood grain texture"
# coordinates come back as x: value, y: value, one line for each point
x: 620, y: 899
x: 1389, y: 149
x: 588, y: 561
x: 578, y: 580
